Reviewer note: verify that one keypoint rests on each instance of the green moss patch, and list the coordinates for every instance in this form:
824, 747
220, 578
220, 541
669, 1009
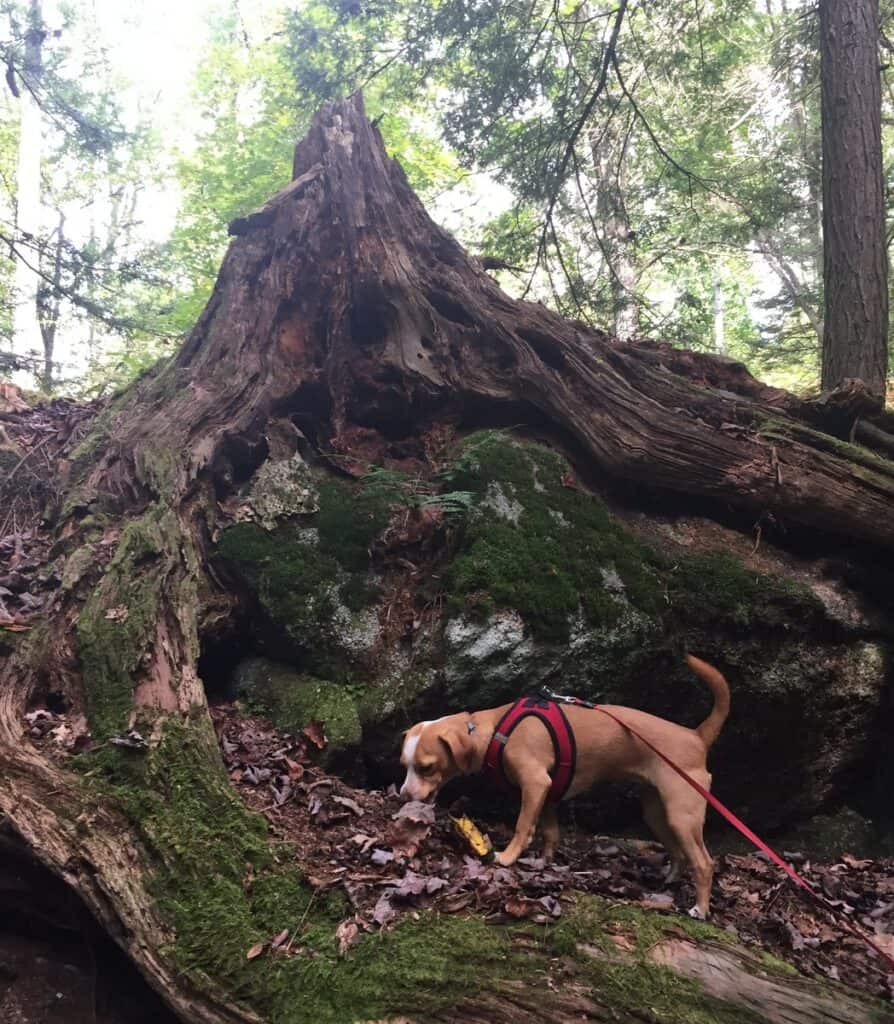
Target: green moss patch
717, 587
224, 888
537, 544
301, 573
292, 699
118, 621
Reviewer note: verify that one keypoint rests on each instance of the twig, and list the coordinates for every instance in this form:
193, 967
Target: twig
23, 460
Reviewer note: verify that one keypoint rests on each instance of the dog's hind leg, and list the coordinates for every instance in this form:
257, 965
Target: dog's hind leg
685, 811
656, 819
549, 824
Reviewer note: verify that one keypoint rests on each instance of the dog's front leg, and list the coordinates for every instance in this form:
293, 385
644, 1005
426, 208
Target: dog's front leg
549, 825
534, 792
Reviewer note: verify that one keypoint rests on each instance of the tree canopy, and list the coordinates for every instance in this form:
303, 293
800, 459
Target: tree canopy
652, 168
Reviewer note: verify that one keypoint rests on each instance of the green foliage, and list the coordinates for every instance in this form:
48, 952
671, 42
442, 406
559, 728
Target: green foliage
398, 489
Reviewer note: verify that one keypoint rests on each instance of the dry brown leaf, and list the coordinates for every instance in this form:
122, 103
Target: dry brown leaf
256, 950
314, 732
346, 934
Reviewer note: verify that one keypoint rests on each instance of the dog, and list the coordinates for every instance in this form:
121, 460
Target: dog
436, 751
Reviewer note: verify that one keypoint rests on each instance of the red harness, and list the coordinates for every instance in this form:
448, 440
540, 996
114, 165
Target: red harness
553, 717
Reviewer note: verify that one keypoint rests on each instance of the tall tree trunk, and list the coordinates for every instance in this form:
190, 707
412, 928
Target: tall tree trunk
608, 164
26, 330
719, 328
855, 341
49, 305
343, 310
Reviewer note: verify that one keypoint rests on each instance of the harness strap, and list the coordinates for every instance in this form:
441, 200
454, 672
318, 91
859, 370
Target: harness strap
553, 717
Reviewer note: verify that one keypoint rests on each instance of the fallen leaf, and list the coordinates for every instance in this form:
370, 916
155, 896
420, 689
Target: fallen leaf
404, 837
664, 900
416, 811
346, 801
384, 911
518, 906
346, 934
118, 614
314, 732
256, 950
853, 862
279, 940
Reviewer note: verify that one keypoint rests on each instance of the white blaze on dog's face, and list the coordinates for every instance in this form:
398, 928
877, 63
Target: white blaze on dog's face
432, 753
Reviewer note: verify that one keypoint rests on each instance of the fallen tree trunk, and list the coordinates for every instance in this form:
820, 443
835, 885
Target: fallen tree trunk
346, 321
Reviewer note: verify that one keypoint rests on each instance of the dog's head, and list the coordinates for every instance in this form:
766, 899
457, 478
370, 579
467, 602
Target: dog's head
434, 752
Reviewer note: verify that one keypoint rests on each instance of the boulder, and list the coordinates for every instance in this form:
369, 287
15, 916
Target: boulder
527, 578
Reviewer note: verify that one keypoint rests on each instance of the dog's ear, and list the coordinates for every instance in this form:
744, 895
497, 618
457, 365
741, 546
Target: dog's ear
461, 746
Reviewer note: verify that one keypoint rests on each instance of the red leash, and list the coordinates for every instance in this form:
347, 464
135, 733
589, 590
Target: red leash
737, 823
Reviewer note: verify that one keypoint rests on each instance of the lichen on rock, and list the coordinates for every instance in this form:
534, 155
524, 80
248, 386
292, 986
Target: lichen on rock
279, 489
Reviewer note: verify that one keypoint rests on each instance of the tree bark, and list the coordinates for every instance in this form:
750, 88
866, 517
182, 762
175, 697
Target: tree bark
341, 310
855, 338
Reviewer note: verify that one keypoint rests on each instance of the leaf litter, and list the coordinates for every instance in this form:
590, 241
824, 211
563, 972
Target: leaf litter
392, 858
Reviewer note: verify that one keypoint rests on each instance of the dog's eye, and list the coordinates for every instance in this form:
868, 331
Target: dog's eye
425, 769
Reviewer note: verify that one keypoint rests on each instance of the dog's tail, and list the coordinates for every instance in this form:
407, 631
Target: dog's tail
709, 730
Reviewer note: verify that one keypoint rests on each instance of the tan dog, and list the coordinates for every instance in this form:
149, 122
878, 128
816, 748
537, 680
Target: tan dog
434, 752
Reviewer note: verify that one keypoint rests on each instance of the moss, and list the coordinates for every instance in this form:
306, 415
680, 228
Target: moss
301, 575
717, 587
774, 965
158, 466
787, 430
292, 699
297, 584
349, 520
223, 889
76, 565
386, 694
631, 981
111, 649
118, 621
543, 548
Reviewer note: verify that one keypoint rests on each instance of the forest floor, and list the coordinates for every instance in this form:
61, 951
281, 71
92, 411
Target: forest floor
392, 859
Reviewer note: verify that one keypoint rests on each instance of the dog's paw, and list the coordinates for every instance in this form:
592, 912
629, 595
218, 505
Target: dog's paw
697, 915
503, 861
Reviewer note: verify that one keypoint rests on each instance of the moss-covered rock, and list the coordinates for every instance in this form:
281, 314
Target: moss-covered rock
535, 542
293, 700
540, 583
311, 576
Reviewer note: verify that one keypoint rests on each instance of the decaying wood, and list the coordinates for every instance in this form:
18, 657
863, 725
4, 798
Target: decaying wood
344, 310
733, 975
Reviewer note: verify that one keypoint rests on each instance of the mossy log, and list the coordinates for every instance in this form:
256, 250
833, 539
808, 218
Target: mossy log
343, 319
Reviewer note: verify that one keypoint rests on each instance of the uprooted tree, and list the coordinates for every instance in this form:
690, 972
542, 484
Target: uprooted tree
344, 323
